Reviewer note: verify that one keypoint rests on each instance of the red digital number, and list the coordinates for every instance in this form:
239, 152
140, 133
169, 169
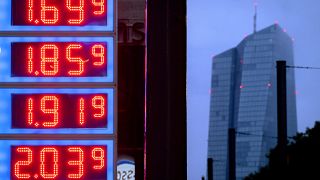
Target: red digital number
81, 111
100, 5
98, 51
49, 10
50, 14
44, 109
78, 163
23, 163
98, 155
76, 8
98, 103
30, 111
51, 56
52, 62
54, 110
30, 57
50, 104
30, 10
50, 164
44, 172
75, 59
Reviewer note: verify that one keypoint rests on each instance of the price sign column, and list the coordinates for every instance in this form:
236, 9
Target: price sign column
58, 89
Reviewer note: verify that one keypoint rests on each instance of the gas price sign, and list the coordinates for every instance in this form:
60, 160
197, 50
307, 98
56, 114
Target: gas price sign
58, 89
63, 15
59, 12
57, 111
59, 160
64, 59
70, 166
65, 110
57, 59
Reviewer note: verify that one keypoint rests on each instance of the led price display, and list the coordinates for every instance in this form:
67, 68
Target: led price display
58, 162
59, 59
59, 110
63, 15
57, 101
56, 111
56, 159
59, 12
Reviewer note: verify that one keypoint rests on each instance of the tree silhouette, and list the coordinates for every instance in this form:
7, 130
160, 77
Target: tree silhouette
303, 159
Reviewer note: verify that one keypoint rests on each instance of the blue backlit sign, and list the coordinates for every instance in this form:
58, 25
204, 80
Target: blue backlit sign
58, 88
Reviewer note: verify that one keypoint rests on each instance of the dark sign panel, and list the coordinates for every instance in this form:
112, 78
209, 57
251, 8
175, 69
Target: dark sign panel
59, 162
59, 111
59, 59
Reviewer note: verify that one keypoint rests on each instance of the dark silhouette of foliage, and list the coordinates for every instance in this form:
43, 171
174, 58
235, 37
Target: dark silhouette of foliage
303, 159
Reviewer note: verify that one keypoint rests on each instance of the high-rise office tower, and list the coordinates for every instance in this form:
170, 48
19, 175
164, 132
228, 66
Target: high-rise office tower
244, 97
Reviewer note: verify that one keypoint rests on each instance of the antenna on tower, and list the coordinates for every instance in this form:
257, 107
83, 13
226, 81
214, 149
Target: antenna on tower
255, 17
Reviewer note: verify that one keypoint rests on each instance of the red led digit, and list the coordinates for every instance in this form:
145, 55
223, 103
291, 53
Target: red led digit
98, 51
23, 163
98, 155
45, 60
76, 8
30, 58
52, 10
30, 111
75, 59
98, 103
100, 4
76, 163
44, 171
81, 108
30, 10
54, 110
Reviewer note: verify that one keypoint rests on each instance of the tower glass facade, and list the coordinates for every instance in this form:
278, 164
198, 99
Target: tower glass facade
243, 96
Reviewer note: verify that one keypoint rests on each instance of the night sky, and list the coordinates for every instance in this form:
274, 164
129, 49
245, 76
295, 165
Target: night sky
217, 25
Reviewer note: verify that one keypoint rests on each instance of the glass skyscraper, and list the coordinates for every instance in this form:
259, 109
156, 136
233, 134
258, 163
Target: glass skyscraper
243, 96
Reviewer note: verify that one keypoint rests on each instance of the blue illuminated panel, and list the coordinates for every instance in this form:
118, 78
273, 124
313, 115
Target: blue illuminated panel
6, 112
6, 59
7, 161
64, 15
77, 59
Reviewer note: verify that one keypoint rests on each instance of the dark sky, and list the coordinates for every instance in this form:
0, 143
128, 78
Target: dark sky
217, 25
